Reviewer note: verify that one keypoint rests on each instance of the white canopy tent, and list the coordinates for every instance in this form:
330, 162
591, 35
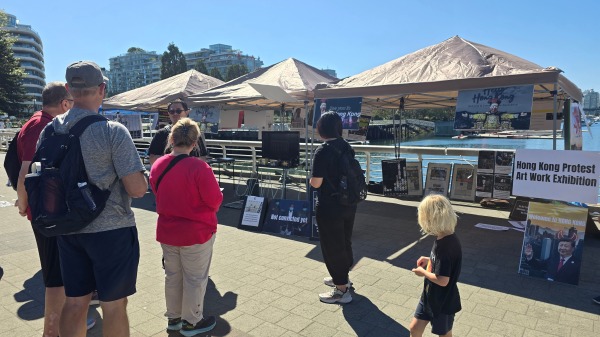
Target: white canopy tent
157, 95
431, 77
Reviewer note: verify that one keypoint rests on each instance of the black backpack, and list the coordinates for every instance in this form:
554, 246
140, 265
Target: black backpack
61, 198
12, 164
352, 187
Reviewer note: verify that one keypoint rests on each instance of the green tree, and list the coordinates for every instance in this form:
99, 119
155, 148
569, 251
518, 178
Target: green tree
172, 62
135, 49
214, 72
235, 71
201, 67
12, 91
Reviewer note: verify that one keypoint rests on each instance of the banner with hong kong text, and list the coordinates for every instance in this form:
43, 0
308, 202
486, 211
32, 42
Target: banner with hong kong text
557, 175
348, 109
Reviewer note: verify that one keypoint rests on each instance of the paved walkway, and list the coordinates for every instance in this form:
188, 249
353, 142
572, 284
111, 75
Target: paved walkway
265, 285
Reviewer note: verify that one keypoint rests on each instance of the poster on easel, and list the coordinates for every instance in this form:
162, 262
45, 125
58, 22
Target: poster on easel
463, 182
394, 177
502, 186
504, 162
414, 178
253, 213
288, 217
485, 185
553, 242
438, 179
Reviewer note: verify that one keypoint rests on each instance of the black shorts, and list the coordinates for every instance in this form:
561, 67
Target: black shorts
49, 260
441, 324
104, 261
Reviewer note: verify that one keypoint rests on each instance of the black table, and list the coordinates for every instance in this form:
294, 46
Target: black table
220, 161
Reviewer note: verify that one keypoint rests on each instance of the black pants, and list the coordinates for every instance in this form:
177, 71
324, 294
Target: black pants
335, 232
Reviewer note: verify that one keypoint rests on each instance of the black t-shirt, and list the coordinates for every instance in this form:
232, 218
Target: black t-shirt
445, 260
326, 165
159, 144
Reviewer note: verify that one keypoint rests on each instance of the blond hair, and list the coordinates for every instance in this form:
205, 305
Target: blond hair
184, 133
436, 215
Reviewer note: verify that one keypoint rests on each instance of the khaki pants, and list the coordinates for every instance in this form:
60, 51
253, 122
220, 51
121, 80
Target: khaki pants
186, 277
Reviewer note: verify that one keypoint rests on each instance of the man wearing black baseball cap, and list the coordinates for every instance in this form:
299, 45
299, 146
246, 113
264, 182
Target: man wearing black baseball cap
104, 255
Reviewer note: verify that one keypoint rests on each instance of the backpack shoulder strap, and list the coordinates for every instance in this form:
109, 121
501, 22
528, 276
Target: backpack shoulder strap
170, 166
83, 123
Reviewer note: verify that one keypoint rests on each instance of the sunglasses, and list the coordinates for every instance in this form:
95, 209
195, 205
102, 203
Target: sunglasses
176, 111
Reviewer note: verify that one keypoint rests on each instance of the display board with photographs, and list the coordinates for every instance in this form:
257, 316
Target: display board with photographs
288, 217
414, 178
494, 169
253, 213
553, 242
394, 177
438, 178
463, 182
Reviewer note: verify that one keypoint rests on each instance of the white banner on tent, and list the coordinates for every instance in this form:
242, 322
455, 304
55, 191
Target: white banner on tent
557, 175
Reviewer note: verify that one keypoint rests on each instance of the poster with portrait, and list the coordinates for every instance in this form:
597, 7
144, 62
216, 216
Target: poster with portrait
486, 161
253, 213
485, 185
349, 109
438, 178
361, 133
207, 117
414, 178
576, 140
494, 109
463, 182
504, 162
502, 186
553, 242
288, 217
394, 177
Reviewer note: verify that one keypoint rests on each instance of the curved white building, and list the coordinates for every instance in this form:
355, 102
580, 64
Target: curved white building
28, 49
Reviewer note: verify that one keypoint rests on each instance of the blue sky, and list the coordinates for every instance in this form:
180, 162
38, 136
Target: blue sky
348, 36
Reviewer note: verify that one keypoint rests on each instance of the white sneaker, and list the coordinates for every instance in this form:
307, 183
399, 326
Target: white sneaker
336, 296
329, 282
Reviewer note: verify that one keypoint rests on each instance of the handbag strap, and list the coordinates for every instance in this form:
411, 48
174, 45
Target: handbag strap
170, 166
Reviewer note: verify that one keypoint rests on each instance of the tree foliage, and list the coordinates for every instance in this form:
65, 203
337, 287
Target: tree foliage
12, 91
214, 72
201, 67
172, 63
235, 71
135, 50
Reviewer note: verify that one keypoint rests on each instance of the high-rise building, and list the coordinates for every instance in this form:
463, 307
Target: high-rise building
28, 49
222, 56
131, 70
330, 72
591, 100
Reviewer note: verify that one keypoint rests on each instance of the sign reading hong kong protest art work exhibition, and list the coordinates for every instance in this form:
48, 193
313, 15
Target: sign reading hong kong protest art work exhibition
347, 108
503, 108
557, 175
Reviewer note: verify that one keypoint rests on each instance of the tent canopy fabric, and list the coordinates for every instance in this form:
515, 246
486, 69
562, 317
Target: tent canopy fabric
296, 78
431, 77
157, 95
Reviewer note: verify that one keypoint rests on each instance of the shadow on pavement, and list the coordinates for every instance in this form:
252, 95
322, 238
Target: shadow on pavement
32, 297
217, 305
365, 318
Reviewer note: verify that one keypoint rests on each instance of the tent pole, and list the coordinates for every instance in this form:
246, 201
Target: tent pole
555, 116
306, 154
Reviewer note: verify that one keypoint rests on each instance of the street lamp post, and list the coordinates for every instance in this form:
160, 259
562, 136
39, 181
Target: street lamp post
34, 105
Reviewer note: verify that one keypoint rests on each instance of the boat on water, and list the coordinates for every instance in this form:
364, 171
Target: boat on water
520, 134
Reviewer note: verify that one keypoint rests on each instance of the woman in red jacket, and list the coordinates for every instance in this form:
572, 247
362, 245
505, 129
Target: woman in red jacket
187, 200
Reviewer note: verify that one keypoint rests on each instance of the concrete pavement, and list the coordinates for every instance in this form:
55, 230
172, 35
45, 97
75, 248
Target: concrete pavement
267, 285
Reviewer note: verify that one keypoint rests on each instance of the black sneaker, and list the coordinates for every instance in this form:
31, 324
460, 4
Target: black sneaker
205, 325
174, 324
596, 300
